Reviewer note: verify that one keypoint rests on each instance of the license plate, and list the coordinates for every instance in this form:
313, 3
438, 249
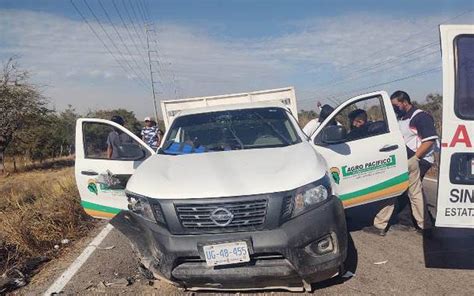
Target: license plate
227, 253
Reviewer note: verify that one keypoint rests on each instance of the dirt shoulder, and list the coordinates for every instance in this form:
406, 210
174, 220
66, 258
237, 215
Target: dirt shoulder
40, 217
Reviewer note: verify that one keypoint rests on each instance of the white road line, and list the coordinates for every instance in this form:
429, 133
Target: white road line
67, 275
431, 179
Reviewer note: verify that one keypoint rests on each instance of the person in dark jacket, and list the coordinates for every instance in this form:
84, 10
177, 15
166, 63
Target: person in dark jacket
359, 124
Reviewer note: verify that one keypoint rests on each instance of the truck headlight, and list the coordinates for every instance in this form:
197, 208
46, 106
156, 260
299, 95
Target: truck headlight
306, 198
141, 205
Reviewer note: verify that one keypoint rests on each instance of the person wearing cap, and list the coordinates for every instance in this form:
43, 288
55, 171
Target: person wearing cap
116, 138
312, 125
149, 133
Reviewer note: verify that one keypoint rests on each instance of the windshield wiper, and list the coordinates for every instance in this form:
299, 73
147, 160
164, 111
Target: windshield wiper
232, 131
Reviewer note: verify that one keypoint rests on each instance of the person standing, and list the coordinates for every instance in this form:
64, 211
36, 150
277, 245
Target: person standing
116, 139
419, 134
160, 136
313, 124
149, 133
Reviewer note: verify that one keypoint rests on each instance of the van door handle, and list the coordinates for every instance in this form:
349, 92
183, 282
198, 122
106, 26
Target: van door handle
89, 173
388, 148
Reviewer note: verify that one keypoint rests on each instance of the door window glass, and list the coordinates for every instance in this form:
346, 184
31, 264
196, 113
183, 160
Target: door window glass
464, 92
362, 119
103, 141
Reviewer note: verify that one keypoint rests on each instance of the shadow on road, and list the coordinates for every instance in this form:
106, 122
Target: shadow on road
450, 248
350, 265
362, 216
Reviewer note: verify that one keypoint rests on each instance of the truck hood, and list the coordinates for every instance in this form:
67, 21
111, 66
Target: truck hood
227, 173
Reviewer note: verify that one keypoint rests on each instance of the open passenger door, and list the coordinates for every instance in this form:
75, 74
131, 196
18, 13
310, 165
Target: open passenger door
101, 180
368, 163
456, 174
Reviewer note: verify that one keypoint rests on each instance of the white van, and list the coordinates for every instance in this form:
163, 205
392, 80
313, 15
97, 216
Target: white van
456, 175
238, 197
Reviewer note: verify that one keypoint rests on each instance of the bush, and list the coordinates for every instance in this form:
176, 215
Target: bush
37, 211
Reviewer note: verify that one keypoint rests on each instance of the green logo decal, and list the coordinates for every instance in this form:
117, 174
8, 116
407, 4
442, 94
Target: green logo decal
92, 186
335, 173
349, 171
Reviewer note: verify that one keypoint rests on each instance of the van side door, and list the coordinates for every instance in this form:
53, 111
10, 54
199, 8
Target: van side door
368, 163
101, 180
455, 207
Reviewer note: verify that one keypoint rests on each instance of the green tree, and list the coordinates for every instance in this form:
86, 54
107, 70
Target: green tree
20, 104
67, 129
131, 121
434, 106
304, 116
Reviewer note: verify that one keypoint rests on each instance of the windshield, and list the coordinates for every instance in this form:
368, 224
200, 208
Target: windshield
230, 130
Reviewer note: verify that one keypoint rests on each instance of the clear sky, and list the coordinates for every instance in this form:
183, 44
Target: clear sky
328, 50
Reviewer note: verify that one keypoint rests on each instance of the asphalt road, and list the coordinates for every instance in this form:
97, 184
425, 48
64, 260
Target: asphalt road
397, 264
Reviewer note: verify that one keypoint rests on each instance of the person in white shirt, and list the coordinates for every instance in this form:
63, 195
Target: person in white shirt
313, 124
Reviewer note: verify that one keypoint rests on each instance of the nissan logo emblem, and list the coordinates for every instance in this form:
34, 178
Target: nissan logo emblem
221, 217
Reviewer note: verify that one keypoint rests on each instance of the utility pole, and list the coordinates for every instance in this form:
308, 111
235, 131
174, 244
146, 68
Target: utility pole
151, 73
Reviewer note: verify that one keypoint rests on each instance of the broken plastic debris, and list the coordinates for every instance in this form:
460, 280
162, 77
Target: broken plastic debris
106, 248
65, 241
56, 247
348, 274
380, 262
119, 283
145, 272
101, 286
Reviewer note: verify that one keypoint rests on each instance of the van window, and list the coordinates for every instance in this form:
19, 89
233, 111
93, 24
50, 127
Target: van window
464, 92
362, 119
99, 136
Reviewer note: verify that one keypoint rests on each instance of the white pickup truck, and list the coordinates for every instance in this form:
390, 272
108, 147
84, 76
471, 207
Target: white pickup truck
238, 197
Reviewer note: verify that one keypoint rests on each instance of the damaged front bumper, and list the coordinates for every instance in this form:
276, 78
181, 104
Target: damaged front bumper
283, 257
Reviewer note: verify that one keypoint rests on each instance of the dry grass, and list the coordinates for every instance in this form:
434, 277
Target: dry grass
24, 164
37, 210
304, 119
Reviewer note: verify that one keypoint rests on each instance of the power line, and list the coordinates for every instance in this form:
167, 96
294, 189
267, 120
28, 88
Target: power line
105, 44
403, 55
392, 59
147, 46
370, 70
140, 12
128, 31
357, 77
111, 40
422, 73
121, 39
151, 79
133, 25
371, 55
137, 20
161, 65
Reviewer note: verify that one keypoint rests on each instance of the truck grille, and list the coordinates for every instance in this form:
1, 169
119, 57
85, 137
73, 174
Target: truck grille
222, 217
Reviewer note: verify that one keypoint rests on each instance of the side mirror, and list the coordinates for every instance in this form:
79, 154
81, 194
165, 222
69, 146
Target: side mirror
333, 134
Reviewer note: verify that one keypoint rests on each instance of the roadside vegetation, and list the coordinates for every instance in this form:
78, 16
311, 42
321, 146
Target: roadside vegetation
31, 133
38, 211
